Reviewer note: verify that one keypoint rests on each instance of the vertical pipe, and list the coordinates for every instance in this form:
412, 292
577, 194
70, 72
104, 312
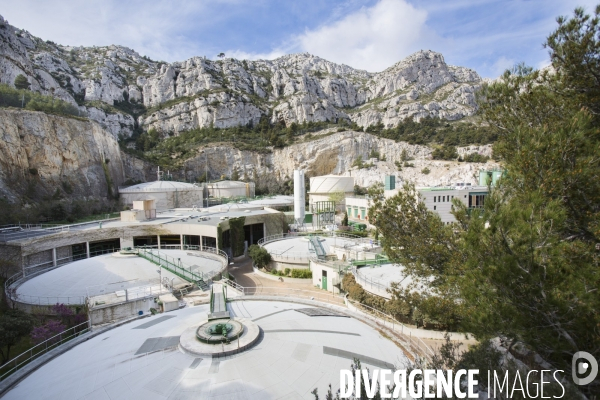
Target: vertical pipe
54, 256
181, 241
87, 249
158, 241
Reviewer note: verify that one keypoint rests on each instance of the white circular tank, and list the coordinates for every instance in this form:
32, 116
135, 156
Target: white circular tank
230, 189
331, 184
166, 194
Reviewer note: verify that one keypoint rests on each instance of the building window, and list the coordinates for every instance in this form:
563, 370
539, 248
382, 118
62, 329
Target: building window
434, 199
476, 200
452, 196
434, 207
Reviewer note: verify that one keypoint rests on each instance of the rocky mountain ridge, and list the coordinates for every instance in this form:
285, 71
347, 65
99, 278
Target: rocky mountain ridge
124, 91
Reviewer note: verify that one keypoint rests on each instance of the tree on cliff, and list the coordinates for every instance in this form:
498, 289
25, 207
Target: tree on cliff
525, 267
21, 82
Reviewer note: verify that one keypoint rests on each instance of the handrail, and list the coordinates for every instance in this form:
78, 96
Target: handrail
395, 323
44, 347
20, 278
179, 268
379, 317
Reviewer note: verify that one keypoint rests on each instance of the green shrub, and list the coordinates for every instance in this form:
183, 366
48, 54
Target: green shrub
425, 171
476, 157
302, 273
259, 256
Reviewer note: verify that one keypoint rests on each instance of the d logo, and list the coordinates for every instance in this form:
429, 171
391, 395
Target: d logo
584, 364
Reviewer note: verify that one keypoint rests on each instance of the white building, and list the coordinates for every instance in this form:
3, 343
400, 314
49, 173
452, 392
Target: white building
439, 199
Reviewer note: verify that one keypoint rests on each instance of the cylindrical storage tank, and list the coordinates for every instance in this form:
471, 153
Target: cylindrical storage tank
166, 194
299, 199
227, 189
331, 183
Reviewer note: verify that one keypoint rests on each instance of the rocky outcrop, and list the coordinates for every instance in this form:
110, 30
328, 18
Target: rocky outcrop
45, 156
335, 153
200, 92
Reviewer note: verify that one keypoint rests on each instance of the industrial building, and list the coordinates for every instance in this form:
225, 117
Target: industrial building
33, 248
437, 199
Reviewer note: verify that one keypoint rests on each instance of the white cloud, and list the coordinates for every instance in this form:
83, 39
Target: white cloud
150, 28
501, 65
243, 55
371, 38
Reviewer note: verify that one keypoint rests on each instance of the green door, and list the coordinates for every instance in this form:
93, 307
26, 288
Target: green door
324, 280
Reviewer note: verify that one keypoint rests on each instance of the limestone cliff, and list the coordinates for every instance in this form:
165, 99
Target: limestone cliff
335, 153
44, 155
120, 89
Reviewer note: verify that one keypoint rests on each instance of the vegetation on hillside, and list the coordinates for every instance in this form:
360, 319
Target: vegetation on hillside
23, 98
431, 130
169, 151
525, 267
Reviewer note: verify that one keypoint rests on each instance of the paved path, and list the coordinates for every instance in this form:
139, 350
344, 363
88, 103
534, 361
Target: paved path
244, 276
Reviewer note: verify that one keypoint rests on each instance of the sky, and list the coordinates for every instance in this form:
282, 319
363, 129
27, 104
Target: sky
488, 36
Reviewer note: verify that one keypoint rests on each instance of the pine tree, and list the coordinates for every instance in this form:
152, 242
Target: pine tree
525, 268
21, 82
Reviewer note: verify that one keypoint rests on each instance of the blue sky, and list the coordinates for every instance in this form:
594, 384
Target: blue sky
486, 35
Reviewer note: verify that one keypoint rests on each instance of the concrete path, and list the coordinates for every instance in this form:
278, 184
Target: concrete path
244, 276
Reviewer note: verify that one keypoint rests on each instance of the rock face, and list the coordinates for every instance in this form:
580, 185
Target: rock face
199, 92
122, 92
41, 154
335, 154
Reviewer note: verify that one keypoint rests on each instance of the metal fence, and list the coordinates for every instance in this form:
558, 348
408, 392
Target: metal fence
377, 316
391, 323
369, 283
27, 356
12, 283
305, 255
309, 294
132, 289
180, 269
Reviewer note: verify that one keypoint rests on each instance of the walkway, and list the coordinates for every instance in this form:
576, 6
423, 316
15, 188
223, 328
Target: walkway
218, 307
244, 276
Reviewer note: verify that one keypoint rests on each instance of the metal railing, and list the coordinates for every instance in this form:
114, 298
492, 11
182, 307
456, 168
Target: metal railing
180, 269
27, 231
371, 313
12, 283
396, 326
131, 290
320, 295
306, 255
369, 283
42, 348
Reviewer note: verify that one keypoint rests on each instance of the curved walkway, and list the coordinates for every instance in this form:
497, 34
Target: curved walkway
245, 276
